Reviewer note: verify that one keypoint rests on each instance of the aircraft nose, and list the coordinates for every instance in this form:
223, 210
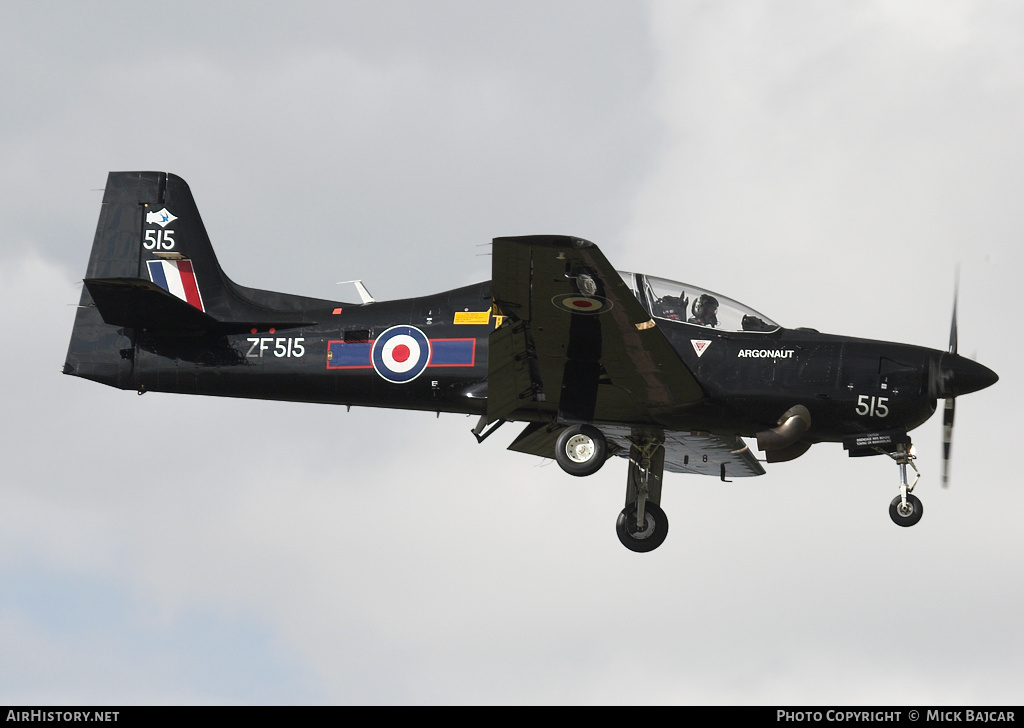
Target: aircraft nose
963, 376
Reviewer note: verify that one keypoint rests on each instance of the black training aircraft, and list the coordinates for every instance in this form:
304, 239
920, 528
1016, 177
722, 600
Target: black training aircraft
596, 362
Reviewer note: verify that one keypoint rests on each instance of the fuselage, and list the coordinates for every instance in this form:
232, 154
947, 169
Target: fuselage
749, 378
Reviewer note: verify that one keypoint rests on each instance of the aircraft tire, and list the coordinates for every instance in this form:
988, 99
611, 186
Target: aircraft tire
908, 519
581, 450
651, 537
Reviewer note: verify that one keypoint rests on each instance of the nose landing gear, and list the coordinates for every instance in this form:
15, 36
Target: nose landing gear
905, 509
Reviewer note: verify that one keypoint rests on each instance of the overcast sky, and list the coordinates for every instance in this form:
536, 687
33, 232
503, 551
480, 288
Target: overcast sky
828, 164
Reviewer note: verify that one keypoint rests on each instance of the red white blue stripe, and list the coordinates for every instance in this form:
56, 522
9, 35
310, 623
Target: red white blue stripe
443, 353
178, 278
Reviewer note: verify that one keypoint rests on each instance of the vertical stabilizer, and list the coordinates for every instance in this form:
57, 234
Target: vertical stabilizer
149, 229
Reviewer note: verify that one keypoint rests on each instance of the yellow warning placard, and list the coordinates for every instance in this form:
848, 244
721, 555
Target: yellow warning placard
472, 317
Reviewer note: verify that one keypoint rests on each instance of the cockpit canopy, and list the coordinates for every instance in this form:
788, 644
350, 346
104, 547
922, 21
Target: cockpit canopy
675, 301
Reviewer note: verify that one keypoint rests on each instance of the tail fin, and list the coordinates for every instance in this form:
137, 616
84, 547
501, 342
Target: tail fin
126, 235
152, 267
150, 228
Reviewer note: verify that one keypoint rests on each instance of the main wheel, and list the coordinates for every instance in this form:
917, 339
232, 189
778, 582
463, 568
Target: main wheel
581, 450
646, 537
906, 516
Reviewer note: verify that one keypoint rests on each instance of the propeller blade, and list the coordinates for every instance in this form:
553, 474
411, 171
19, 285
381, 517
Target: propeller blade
947, 438
952, 327
950, 408
951, 375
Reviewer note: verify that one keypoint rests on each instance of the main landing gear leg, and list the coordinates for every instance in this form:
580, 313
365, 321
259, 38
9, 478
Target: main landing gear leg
642, 525
906, 509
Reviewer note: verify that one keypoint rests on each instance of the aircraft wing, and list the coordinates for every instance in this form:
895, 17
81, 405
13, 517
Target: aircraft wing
576, 345
700, 453
726, 456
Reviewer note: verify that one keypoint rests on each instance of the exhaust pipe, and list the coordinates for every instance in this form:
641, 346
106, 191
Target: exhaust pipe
792, 425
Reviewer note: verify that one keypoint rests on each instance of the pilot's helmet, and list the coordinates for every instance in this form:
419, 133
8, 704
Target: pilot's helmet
705, 308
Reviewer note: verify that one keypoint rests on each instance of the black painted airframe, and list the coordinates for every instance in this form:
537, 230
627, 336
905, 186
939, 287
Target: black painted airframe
596, 362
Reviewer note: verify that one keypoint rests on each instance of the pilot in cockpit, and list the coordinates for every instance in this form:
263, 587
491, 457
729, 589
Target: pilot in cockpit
705, 310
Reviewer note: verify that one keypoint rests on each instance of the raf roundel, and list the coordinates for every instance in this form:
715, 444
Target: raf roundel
400, 354
577, 303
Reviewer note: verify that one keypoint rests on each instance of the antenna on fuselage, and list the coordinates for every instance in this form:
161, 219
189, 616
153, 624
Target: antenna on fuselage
364, 295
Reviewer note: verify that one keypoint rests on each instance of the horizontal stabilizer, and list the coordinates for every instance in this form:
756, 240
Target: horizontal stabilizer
136, 303
140, 304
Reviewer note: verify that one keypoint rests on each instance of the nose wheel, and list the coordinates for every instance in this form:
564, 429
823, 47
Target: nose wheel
906, 512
